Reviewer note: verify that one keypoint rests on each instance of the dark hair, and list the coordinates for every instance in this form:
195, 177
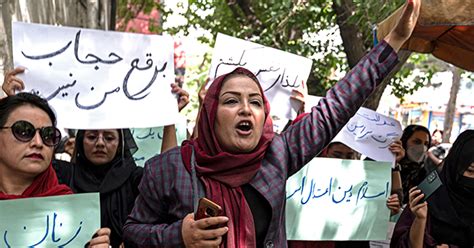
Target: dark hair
410, 130
71, 132
333, 144
10, 103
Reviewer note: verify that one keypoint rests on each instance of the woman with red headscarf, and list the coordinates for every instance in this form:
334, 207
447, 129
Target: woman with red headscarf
28, 135
239, 163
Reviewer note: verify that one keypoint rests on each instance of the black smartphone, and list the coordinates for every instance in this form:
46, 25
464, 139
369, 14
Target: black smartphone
430, 184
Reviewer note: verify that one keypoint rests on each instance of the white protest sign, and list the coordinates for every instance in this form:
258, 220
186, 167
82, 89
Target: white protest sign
367, 132
56, 221
96, 79
278, 72
371, 133
334, 199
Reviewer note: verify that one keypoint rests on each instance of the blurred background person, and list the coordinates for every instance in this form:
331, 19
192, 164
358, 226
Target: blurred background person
416, 140
437, 152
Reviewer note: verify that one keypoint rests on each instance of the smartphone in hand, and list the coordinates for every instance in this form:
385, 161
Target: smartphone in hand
207, 208
430, 184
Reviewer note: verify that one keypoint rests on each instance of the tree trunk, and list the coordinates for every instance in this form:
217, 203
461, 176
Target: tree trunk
374, 100
6, 62
113, 15
5, 39
355, 49
450, 112
74, 13
249, 17
93, 14
351, 38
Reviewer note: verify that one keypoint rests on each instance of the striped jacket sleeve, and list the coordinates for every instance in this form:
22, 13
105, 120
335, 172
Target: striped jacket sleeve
305, 139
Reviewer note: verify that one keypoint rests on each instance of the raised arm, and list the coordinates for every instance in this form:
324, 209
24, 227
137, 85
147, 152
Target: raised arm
305, 139
412, 228
394, 202
169, 132
417, 229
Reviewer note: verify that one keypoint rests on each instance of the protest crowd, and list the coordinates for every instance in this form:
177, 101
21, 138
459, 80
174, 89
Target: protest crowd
226, 184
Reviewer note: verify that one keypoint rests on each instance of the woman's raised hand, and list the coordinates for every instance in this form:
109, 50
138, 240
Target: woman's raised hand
397, 149
420, 210
183, 96
12, 83
404, 28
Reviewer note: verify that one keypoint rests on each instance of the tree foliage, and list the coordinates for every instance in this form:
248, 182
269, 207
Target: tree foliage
303, 27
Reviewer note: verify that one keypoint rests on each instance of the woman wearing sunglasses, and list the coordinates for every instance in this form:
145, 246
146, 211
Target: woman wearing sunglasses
103, 162
27, 139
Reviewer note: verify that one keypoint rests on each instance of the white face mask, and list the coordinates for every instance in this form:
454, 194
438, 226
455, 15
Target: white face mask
416, 153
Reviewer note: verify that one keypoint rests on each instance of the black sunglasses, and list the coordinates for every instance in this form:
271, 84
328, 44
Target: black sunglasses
25, 131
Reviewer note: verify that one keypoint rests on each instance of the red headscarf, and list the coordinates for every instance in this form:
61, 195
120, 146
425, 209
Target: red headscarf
45, 184
222, 172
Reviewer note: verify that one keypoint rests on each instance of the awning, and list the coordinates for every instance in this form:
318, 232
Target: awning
445, 28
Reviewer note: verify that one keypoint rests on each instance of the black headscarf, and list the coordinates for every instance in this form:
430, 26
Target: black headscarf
454, 202
116, 181
412, 173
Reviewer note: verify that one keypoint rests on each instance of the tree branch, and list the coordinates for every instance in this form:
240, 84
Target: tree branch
351, 38
249, 17
450, 111
249, 13
374, 100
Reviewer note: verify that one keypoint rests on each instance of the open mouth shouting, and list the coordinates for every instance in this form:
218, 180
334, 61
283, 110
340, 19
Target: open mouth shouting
244, 128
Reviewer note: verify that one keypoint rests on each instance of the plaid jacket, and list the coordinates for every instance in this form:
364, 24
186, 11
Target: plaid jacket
166, 194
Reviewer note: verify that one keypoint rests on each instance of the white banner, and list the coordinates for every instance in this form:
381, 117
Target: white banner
367, 132
371, 133
96, 79
54, 221
278, 72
